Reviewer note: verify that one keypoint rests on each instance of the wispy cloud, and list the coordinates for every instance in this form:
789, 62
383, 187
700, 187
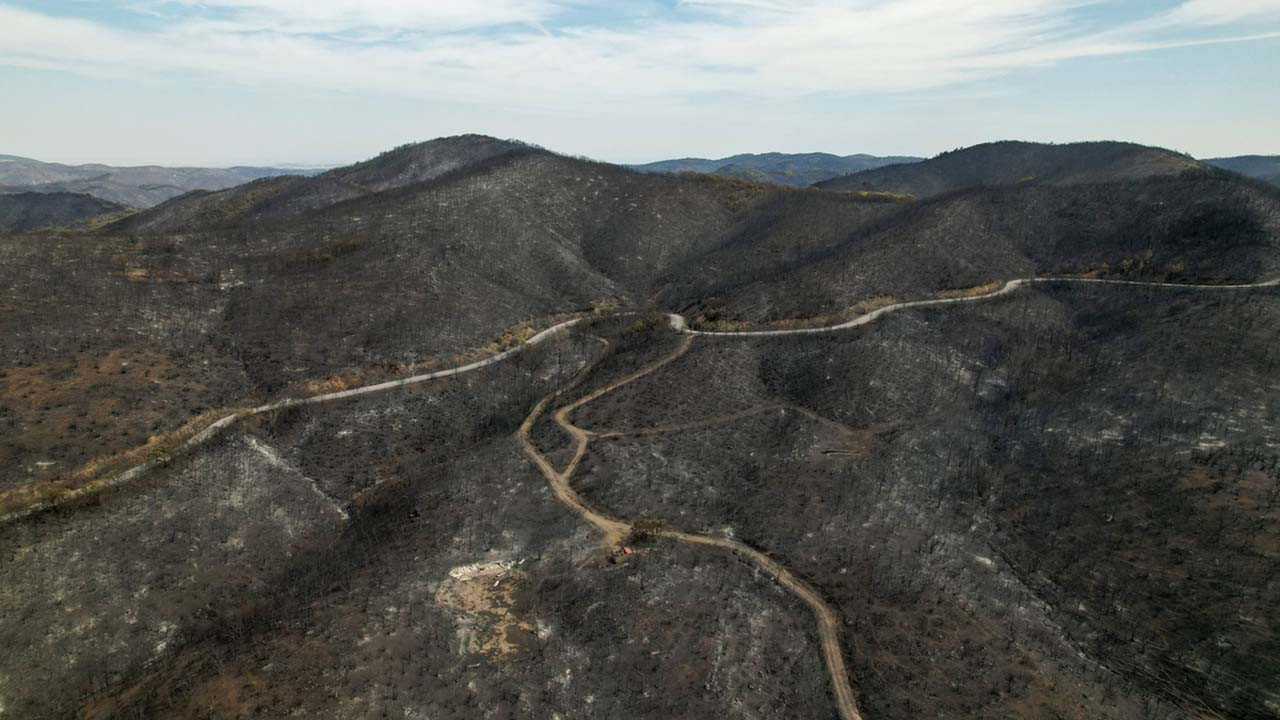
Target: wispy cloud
540, 53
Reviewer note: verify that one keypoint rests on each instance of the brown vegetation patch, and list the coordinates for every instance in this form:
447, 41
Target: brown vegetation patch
62, 413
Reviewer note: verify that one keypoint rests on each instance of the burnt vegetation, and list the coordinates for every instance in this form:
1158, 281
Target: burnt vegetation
1058, 503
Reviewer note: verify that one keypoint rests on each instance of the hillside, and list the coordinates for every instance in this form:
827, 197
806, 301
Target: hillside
1056, 501
139, 186
1002, 163
22, 212
1262, 167
800, 169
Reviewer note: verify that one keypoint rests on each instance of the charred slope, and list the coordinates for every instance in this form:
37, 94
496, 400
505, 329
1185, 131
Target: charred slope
1051, 504
21, 212
1007, 162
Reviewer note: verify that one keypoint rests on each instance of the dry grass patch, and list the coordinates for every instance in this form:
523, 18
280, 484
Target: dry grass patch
61, 414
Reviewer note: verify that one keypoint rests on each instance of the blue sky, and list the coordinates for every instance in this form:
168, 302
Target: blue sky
219, 82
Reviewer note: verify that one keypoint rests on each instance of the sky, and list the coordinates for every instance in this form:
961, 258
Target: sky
324, 82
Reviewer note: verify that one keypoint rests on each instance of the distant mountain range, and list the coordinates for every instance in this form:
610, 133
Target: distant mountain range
993, 163
141, 186
782, 168
1262, 167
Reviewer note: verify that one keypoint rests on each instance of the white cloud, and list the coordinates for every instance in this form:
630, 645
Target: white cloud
754, 50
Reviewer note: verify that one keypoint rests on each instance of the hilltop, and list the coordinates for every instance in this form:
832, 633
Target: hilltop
1006, 162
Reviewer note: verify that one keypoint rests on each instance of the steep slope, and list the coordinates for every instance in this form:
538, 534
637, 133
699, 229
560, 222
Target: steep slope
783, 168
1261, 167
140, 186
1007, 162
21, 212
